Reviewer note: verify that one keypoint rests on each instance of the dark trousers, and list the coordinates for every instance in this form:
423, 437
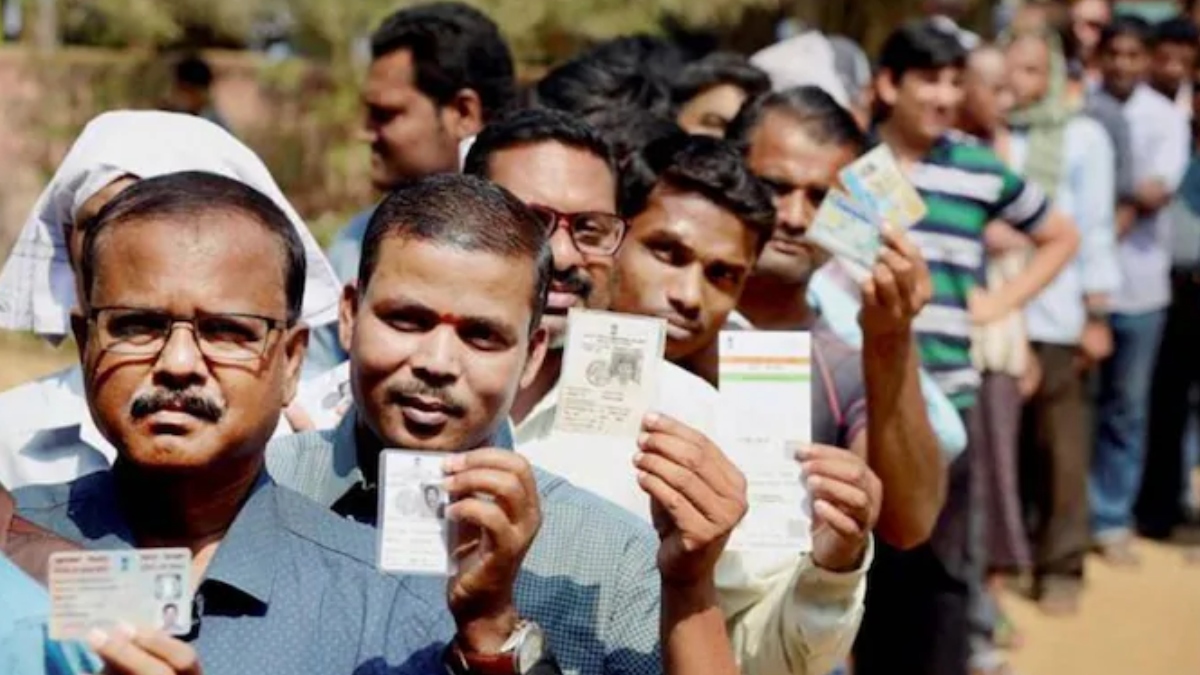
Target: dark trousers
917, 601
1160, 502
1056, 442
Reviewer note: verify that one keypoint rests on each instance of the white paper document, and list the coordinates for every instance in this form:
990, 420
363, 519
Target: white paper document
413, 533
146, 588
610, 373
764, 418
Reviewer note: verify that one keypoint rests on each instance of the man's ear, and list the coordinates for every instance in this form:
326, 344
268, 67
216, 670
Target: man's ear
465, 118
347, 315
539, 343
886, 87
81, 329
295, 348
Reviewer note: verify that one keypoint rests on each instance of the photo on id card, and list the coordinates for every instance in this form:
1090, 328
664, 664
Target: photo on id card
840, 228
146, 588
876, 181
413, 530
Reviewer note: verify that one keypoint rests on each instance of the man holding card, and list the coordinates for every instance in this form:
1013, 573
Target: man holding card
964, 187
792, 616
443, 329
279, 583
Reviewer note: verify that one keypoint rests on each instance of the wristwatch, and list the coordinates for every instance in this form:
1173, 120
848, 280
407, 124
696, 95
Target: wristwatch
519, 655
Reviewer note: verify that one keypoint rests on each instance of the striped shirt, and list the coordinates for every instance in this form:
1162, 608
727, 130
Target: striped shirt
965, 186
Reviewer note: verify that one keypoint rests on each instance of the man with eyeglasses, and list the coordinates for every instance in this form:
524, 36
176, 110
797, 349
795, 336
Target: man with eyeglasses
795, 618
188, 331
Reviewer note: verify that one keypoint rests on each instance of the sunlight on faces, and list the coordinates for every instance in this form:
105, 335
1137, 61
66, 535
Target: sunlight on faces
441, 343
233, 265
568, 180
685, 260
1028, 66
800, 172
987, 98
410, 135
709, 112
924, 103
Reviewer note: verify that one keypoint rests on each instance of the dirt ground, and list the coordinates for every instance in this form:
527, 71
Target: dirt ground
1142, 622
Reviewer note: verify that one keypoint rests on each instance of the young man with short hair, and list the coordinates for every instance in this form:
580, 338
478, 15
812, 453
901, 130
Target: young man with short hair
1174, 46
439, 72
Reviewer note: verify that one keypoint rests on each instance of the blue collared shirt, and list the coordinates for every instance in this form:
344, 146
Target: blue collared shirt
25, 645
1086, 193
590, 579
345, 251
291, 589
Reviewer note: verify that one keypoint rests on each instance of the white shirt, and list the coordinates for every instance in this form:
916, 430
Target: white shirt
786, 615
48, 437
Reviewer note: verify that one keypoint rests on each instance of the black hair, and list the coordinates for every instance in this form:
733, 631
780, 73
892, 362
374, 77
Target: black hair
464, 212
632, 72
716, 69
1178, 30
184, 196
453, 47
710, 167
921, 45
628, 130
812, 107
195, 71
1125, 26
536, 125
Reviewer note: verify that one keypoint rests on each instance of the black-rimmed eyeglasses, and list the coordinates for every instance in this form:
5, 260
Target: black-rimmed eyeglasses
592, 233
136, 331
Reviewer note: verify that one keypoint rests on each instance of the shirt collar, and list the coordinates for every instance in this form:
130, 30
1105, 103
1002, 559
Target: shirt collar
247, 557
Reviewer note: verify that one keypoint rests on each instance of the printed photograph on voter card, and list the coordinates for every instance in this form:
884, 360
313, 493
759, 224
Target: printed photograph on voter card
840, 228
876, 182
609, 373
413, 531
146, 588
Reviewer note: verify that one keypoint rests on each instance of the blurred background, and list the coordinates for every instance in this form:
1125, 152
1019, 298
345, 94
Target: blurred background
283, 75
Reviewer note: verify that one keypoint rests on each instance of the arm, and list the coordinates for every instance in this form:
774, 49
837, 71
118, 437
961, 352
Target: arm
1055, 242
1170, 153
899, 445
697, 498
1093, 178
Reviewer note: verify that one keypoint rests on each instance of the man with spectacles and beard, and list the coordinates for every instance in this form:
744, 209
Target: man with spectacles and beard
186, 375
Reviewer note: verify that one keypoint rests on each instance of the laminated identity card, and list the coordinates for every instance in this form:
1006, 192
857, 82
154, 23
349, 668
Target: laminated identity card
610, 373
413, 532
145, 588
876, 181
765, 418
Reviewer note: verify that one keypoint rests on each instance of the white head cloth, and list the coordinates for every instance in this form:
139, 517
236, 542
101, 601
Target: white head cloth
804, 60
37, 286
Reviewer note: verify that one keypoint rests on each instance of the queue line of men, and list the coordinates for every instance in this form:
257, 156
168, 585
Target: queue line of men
451, 348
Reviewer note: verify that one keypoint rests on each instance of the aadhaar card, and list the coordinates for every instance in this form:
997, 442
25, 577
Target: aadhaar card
413, 531
764, 419
875, 180
610, 373
840, 228
147, 588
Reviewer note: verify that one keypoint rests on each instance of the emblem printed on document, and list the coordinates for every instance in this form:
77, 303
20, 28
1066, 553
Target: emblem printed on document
413, 532
145, 588
765, 418
876, 181
610, 373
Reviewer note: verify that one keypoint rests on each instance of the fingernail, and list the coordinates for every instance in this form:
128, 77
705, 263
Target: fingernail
652, 418
637, 458
643, 439
452, 464
96, 639
127, 629
804, 452
814, 483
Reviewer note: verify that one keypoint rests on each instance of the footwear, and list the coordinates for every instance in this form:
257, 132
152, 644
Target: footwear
1119, 553
1059, 597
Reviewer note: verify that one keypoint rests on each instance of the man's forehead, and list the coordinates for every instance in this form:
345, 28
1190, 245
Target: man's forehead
550, 173
783, 146
706, 228
390, 78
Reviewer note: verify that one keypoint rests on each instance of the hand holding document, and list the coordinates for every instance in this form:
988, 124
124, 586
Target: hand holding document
145, 588
848, 226
765, 418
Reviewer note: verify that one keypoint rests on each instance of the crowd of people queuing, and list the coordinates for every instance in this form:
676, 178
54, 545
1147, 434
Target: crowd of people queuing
984, 401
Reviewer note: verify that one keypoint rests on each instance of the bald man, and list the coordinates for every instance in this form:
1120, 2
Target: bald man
986, 97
